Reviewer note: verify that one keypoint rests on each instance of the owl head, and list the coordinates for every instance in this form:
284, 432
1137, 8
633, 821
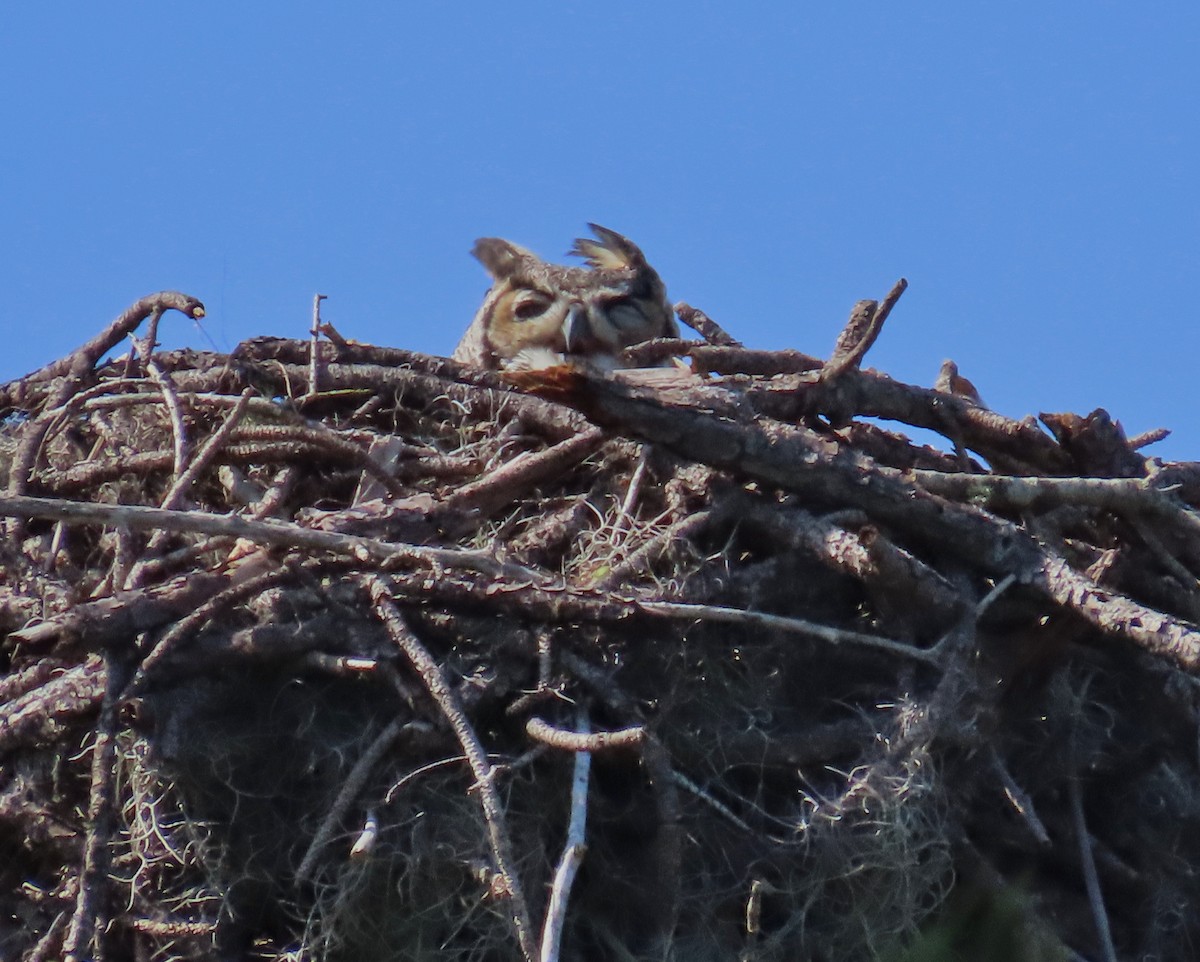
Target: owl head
539, 315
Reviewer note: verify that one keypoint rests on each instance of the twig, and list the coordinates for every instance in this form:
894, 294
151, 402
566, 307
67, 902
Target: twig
447, 701
1091, 878
91, 911
573, 852
112, 621
781, 623
351, 787
207, 452
770, 453
203, 615
145, 345
41, 713
1019, 799
1147, 438
325, 439
335, 336
314, 347
45, 945
260, 532
512, 479
866, 554
860, 333
575, 741
76, 364
364, 844
680, 532
849, 347
1130, 495
71, 372
183, 481
635, 484
668, 843
681, 780
704, 325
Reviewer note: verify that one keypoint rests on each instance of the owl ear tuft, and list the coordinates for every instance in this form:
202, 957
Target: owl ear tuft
501, 258
611, 251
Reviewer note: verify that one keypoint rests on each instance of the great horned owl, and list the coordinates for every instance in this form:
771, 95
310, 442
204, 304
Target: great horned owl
539, 315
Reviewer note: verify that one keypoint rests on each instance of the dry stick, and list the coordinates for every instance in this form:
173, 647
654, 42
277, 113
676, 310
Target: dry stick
635, 485
207, 452
124, 556
155, 569
558, 422
760, 619
870, 394
683, 530
24, 680
682, 781
84, 358
282, 443
575, 849
334, 335
867, 555
655, 351
364, 844
513, 478
704, 325
260, 532
1091, 878
1148, 437
171, 399
113, 621
1125, 495
145, 346
796, 459
264, 507
314, 347
447, 701
73, 370
1019, 799
35, 715
578, 741
427, 381
91, 911
848, 349
183, 481
60, 528
326, 439
97, 393
201, 616
170, 928
851, 347
668, 843
349, 791
1187, 581
41, 951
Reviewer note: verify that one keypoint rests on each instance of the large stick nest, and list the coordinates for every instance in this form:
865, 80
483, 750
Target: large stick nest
300, 650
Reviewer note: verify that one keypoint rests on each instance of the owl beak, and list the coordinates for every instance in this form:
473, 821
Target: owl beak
576, 330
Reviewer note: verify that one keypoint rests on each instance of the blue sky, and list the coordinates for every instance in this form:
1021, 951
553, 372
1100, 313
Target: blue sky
1030, 168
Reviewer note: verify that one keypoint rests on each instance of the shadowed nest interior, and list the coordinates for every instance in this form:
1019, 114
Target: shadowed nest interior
305, 646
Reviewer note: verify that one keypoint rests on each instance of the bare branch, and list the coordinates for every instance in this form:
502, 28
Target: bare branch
447, 701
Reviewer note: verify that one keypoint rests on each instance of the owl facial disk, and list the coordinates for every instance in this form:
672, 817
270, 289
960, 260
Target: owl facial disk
537, 311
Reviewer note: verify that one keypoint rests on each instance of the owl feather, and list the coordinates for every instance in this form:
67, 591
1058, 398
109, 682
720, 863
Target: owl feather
538, 314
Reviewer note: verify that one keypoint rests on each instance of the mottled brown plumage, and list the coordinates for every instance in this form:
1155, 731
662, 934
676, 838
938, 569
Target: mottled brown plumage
539, 315
949, 381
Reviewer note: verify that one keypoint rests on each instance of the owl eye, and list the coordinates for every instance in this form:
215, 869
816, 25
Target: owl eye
530, 306
626, 315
